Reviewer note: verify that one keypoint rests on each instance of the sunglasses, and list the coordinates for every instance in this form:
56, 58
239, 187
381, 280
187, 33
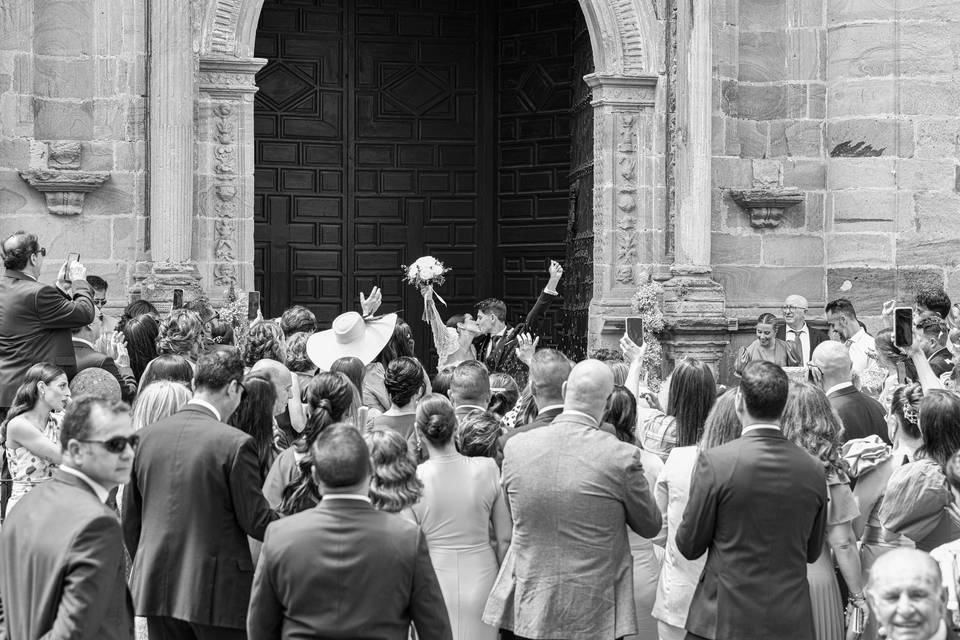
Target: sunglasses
118, 444
99, 301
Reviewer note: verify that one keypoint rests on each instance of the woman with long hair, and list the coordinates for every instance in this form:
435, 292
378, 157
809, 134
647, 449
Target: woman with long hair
404, 383
31, 432
181, 333
691, 393
167, 367
679, 577
140, 334
136, 309
254, 416
462, 508
917, 501
394, 485
157, 401
289, 486
810, 422
621, 412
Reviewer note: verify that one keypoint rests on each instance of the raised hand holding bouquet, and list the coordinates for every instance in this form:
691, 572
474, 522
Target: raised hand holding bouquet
424, 272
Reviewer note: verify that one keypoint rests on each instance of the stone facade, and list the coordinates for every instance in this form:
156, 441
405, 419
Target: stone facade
768, 146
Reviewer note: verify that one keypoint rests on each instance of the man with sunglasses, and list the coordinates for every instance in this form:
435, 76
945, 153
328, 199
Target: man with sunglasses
193, 499
61, 547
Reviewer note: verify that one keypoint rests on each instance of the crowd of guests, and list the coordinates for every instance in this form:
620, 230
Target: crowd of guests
164, 481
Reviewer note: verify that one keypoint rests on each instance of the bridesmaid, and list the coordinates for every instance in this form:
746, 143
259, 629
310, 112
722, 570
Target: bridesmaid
768, 347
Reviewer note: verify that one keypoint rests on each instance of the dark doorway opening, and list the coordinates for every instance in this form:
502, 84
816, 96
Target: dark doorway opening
390, 129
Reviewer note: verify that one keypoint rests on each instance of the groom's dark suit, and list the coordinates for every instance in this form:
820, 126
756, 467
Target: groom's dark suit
759, 505
502, 357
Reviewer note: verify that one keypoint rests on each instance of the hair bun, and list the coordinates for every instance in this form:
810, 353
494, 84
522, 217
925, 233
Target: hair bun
439, 427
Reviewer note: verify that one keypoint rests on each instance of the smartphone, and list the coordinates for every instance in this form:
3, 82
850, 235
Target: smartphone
73, 257
253, 305
178, 298
903, 327
635, 330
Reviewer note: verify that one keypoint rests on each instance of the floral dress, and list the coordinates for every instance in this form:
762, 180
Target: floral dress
26, 468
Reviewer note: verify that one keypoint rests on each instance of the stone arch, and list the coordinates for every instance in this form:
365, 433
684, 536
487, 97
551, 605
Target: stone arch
623, 32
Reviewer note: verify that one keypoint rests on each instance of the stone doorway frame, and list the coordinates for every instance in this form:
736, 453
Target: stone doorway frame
202, 221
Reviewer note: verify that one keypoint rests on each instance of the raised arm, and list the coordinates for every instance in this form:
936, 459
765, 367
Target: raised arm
547, 296
443, 339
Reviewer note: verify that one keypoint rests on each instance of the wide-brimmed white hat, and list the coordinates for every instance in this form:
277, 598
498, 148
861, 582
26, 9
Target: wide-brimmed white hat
351, 335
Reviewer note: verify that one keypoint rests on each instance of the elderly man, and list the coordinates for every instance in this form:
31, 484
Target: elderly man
796, 328
573, 491
907, 595
842, 318
61, 548
289, 418
860, 414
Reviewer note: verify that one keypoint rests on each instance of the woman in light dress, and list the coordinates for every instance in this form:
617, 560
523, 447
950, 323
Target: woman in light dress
31, 433
464, 516
453, 339
768, 347
679, 577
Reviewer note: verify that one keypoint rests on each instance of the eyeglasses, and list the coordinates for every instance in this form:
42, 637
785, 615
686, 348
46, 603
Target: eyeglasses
789, 308
118, 444
243, 390
99, 301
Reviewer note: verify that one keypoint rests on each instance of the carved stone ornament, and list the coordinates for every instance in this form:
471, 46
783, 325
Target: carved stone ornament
62, 184
766, 206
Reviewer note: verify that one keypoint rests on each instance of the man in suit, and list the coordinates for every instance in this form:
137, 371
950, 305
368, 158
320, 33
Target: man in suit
344, 569
860, 414
89, 358
497, 344
759, 505
796, 328
61, 548
35, 318
549, 370
934, 332
573, 491
469, 388
908, 596
193, 498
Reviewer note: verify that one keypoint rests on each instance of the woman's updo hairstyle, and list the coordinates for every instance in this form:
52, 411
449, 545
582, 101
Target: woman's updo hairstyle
905, 407
403, 380
436, 419
180, 334
504, 393
767, 318
265, 341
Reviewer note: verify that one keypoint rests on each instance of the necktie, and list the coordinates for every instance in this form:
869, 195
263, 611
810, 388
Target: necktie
796, 335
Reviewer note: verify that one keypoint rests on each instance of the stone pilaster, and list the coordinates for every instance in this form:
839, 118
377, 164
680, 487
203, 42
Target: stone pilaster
693, 301
225, 152
628, 225
171, 94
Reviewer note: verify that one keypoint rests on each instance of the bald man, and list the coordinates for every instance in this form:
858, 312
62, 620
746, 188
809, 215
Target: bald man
908, 597
573, 490
288, 415
861, 415
796, 328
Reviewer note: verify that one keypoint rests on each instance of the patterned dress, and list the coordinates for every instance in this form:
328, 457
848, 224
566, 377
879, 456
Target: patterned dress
26, 468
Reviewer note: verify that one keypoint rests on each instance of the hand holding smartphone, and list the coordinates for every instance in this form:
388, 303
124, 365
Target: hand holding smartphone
903, 327
253, 305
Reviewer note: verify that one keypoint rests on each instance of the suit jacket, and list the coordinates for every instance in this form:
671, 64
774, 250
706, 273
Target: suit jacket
816, 336
860, 414
62, 557
502, 357
193, 498
345, 570
759, 505
941, 361
543, 419
573, 490
35, 324
88, 358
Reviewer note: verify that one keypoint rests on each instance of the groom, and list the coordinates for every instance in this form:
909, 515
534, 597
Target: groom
498, 341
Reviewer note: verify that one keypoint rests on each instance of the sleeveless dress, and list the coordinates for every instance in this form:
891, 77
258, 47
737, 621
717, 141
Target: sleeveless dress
459, 495
26, 468
828, 610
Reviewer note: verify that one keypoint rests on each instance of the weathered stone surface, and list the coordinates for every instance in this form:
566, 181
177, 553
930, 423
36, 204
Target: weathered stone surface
930, 97
750, 138
801, 138
862, 210
59, 120
847, 98
96, 156
762, 15
63, 77
929, 235
860, 249
735, 249
815, 210
839, 11
763, 56
805, 13
816, 101
14, 154
792, 250
869, 137
16, 197
869, 289
128, 235
803, 55
926, 175
804, 174
859, 173
754, 102
938, 138
731, 173
766, 286
121, 195
63, 27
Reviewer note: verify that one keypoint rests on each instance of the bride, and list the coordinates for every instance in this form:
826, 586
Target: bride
453, 339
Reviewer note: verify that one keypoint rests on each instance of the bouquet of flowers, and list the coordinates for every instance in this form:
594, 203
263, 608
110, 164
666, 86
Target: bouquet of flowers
424, 272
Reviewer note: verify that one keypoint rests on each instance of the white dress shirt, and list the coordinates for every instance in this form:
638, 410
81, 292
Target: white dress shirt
860, 345
347, 496
838, 387
759, 425
206, 405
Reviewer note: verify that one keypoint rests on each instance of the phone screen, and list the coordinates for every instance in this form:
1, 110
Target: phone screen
903, 327
635, 330
177, 298
73, 257
253, 305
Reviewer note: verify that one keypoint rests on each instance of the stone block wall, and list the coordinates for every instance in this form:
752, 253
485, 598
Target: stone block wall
74, 70
856, 103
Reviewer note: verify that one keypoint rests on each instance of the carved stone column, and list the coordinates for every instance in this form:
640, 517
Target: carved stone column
628, 227
171, 100
225, 149
693, 302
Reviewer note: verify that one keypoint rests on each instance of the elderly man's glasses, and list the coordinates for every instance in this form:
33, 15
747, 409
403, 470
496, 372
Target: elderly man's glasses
118, 444
789, 308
